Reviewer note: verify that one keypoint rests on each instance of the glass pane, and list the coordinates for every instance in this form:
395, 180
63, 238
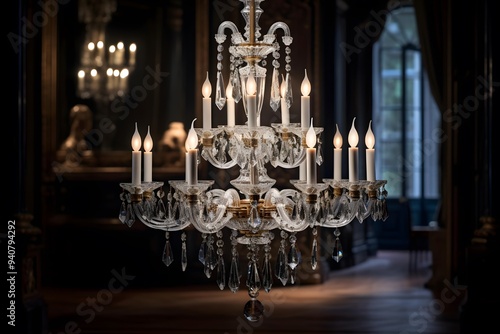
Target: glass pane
391, 91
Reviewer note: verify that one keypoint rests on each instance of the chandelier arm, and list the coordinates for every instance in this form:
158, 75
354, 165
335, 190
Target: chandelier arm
288, 224
337, 222
165, 225
296, 163
279, 25
205, 225
208, 156
227, 25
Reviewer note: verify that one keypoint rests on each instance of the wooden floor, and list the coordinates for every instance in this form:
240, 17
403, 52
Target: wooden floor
377, 296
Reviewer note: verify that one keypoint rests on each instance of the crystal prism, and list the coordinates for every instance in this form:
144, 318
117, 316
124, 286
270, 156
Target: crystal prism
220, 91
167, 254
234, 275
337, 252
221, 273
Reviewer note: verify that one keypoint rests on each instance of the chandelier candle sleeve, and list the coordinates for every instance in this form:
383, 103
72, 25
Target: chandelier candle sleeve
285, 113
192, 156
353, 153
370, 153
136, 157
311, 155
230, 105
148, 158
337, 155
251, 87
206, 90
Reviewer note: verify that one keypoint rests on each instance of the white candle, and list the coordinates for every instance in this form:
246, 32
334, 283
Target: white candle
112, 55
285, 113
148, 158
337, 155
206, 90
136, 157
251, 88
120, 51
230, 105
370, 154
192, 156
110, 79
305, 101
132, 49
123, 80
81, 81
100, 53
311, 155
353, 153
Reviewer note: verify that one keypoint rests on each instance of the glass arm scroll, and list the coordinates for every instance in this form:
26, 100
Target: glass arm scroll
289, 214
214, 144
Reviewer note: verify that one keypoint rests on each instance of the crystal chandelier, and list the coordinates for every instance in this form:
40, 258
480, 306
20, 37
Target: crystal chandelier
254, 209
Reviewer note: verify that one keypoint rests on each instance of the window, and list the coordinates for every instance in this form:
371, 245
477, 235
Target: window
405, 116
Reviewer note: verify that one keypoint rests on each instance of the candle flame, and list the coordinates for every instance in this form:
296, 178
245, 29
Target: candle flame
148, 142
251, 85
305, 88
337, 139
192, 138
353, 135
136, 140
229, 90
370, 137
283, 87
311, 136
206, 89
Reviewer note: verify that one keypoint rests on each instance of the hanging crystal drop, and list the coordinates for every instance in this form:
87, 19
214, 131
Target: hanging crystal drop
130, 215
314, 250
253, 278
221, 273
167, 251
236, 86
220, 91
254, 219
183, 252
123, 213
203, 249
282, 265
288, 95
275, 98
319, 152
267, 276
337, 252
234, 273
293, 254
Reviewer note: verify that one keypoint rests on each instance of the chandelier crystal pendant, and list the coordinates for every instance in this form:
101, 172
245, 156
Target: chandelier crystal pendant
254, 210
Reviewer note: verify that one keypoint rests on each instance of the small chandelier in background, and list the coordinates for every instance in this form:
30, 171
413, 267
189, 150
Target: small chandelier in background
104, 69
254, 209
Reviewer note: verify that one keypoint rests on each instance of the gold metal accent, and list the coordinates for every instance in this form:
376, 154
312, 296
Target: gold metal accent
251, 142
372, 193
355, 194
192, 198
134, 198
311, 198
337, 191
207, 141
147, 194
285, 135
254, 198
243, 210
